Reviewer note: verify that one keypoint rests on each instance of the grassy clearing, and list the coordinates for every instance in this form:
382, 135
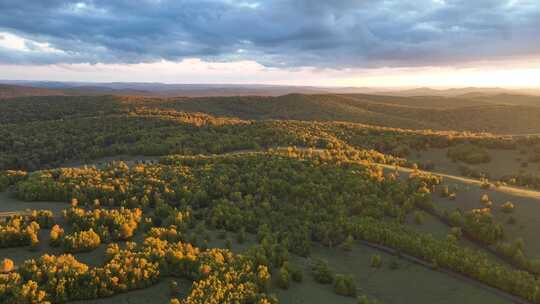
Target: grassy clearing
409, 283
430, 225
386, 284
9, 204
526, 212
503, 162
157, 294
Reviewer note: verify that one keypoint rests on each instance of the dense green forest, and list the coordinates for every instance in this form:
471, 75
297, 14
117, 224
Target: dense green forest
53, 130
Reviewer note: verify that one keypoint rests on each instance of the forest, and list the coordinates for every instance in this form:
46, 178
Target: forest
221, 208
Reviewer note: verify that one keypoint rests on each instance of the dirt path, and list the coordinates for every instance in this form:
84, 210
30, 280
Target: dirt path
507, 189
10, 213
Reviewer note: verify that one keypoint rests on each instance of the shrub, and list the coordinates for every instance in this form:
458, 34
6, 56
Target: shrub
419, 217
283, 278
508, 207
348, 243
7, 265
263, 277
344, 285
376, 261
485, 200
296, 275
469, 153
173, 288
321, 272
56, 236
363, 299
456, 232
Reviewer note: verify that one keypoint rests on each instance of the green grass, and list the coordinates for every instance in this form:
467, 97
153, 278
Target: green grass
410, 283
526, 212
503, 162
157, 294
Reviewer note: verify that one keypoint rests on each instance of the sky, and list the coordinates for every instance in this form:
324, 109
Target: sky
386, 43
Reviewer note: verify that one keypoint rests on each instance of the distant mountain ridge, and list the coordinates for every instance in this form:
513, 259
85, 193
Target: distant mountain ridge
9, 91
201, 90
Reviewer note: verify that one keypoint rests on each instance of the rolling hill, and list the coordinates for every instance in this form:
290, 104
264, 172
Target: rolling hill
438, 113
500, 113
10, 91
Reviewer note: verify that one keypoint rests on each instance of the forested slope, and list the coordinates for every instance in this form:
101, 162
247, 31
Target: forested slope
438, 113
497, 115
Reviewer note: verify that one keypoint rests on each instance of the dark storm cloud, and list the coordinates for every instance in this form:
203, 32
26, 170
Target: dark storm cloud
339, 33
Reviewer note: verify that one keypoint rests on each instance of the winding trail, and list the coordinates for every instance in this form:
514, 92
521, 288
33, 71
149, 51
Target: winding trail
507, 189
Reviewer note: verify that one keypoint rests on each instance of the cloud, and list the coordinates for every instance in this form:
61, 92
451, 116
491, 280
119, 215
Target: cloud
275, 33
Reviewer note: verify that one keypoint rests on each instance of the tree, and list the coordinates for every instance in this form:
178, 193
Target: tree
56, 235
283, 278
321, 272
344, 285
485, 200
263, 277
508, 207
7, 265
376, 261
363, 299
173, 288
241, 236
348, 243
296, 275
419, 217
